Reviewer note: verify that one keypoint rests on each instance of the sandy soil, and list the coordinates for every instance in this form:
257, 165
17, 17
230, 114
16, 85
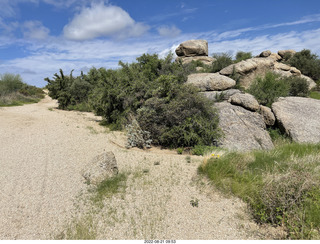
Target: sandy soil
42, 153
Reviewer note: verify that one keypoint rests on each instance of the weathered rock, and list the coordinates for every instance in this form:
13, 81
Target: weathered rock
211, 81
192, 48
300, 118
204, 59
265, 54
249, 69
282, 53
220, 95
243, 130
100, 168
244, 100
267, 114
282, 66
310, 81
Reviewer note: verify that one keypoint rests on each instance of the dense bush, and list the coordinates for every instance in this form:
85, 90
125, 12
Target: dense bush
266, 89
72, 92
178, 116
13, 91
152, 91
222, 60
242, 56
307, 62
10, 83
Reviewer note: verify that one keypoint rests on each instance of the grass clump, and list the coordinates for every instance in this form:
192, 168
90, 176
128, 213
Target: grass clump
315, 95
109, 187
281, 186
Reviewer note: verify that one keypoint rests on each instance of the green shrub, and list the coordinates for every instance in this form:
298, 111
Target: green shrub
222, 60
307, 62
178, 116
298, 86
242, 56
14, 92
268, 88
10, 83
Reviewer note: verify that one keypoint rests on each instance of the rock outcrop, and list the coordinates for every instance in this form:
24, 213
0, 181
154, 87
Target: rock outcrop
242, 119
258, 66
243, 130
211, 81
299, 117
194, 50
100, 168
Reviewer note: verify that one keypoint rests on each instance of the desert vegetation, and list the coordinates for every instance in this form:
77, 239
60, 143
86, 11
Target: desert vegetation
14, 92
281, 186
151, 92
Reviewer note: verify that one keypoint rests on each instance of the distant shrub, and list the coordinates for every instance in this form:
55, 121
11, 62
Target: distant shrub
14, 92
266, 89
242, 56
10, 83
298, 86
71, 92
307, 62
222, 60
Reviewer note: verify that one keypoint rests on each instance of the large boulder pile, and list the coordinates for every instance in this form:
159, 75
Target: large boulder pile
242, 119
258, 66
194, 50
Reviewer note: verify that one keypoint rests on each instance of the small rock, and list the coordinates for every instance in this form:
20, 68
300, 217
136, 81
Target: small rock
267, 114
100, 168
245, 100
220, 95
265, 54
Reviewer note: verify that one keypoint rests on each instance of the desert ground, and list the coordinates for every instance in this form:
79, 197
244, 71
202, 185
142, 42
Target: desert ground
43, 195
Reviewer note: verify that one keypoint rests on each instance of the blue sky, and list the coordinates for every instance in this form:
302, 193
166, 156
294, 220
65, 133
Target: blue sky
38, 37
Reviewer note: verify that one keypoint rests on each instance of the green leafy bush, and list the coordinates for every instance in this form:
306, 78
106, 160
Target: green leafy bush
298, 86
14, 92
177, 116
272, 86
152, 90
266, 89
71, 92
242, 56
10, 83
222, 60
307, 62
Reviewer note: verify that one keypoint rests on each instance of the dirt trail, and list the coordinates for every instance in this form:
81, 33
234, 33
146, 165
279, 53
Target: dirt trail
42, 153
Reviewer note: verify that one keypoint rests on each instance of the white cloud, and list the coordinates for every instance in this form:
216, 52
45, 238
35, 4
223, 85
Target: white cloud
100, 20
169, 31
34, 30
